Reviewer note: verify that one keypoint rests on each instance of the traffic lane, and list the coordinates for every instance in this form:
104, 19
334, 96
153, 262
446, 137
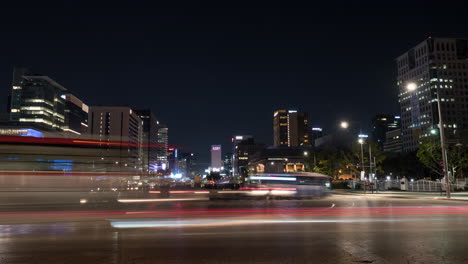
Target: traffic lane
335, 239
184, 208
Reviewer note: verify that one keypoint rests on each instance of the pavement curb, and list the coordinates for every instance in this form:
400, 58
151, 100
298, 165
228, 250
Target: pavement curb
403, 197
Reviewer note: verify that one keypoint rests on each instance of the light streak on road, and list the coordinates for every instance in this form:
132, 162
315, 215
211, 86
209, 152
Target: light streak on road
134, 223
160, 200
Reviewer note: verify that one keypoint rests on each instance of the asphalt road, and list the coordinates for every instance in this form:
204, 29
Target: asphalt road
338, 229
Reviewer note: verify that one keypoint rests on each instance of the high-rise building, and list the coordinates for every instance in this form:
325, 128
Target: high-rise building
315, 133
163, 146
76, 115
227, 164
216, 163
123, 128
393, 141
290, 128
150, 146
187, 163
434, 65
381, 124
244, 147
37, 101
173, 160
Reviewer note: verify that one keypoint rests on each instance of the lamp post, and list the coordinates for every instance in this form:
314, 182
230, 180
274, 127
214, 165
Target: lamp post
411, 87
361, 142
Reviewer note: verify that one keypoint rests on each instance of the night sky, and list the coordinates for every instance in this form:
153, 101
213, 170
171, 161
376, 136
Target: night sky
213, 71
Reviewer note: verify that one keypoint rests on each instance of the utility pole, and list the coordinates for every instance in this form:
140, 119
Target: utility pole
443, 147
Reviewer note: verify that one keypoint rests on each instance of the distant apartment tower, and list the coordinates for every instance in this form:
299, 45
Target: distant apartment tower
123, 128
163, 145
436, 64
290, 128
150, 145
383, 123
37, 101
216, 161
76, 115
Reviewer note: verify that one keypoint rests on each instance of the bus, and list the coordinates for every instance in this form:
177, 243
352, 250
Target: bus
298, 185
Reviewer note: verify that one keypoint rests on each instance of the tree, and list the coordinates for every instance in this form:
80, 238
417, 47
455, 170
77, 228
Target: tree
430, 154
332, 160
375, 152
405, 164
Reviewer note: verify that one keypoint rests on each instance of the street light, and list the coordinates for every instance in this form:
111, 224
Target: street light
344, 124
306, 153
361, 142
412, 87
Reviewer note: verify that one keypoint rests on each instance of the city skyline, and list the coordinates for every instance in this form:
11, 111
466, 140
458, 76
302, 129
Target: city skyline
338, 70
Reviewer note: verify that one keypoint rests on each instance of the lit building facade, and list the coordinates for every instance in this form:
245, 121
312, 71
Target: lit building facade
118, 126
315, 133
76, 115
163, 146
393, 141
381, 124
227, 164
37, 101
290, 128
150, 146
436, 64
216, 161
244, 147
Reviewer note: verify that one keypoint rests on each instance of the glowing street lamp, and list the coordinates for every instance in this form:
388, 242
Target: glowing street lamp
344, 125
361, 142
411, 87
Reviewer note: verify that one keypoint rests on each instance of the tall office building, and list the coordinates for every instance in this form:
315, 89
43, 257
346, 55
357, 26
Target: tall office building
290, 128
227, 164
76, 115
216, 163
121, 128
315, 133
150, 146
163, 145
436, 64
37, 101
393, 141
381, 124
244, 147
173, 160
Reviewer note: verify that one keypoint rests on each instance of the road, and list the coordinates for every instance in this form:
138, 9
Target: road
337, 229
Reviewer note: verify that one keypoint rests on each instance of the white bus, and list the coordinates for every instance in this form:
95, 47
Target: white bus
300, 185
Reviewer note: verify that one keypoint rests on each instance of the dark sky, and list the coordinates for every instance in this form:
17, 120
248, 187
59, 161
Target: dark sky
214, 70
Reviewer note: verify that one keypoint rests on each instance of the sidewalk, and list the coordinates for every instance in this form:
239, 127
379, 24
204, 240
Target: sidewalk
455, 196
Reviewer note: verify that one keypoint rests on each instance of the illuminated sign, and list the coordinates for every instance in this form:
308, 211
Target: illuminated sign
397, 117
363, 136
216, 148
316, 129
292, 111
239, 137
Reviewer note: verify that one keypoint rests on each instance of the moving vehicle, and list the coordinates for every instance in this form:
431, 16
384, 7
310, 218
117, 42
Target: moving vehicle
299, 185
284, 185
